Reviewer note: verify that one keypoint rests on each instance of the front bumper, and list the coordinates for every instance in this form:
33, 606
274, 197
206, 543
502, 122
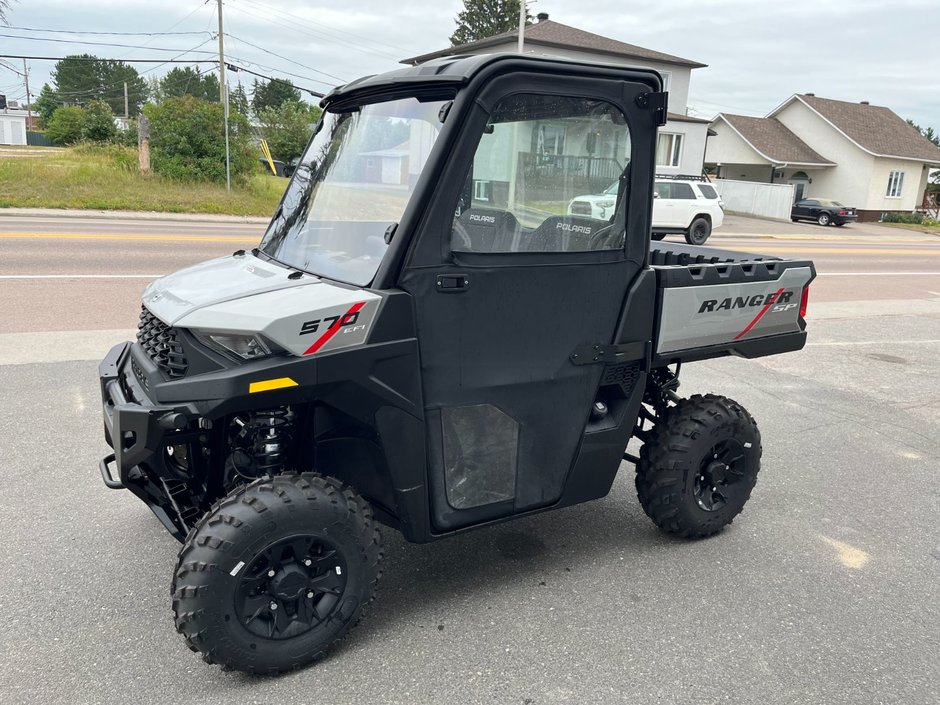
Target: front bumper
139, 431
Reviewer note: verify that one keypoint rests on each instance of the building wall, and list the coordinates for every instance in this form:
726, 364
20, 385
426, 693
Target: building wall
692, 157
850, 181
727, 147
12, 129
678, 75
912, 191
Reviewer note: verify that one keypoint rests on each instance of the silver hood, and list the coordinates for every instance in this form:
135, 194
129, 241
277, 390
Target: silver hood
176, 295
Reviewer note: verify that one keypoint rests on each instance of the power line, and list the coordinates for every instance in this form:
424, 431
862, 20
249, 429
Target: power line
122, 34
315, 33
320, 28
276, 70
102, 44
292, 61
126, 61
236, 69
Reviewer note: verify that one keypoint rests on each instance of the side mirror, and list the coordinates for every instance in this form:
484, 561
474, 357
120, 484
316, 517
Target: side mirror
655, 194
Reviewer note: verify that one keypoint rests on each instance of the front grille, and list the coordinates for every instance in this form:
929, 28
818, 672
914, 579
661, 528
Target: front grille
160, 343
581, 208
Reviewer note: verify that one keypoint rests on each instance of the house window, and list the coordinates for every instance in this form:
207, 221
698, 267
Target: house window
667, 79
548, 139
669, 149
895, 184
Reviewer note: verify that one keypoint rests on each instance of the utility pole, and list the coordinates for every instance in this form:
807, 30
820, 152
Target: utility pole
521, 24
126, 111
223, 96
29, 103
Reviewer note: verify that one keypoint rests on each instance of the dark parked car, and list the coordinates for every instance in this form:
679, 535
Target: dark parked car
823, 210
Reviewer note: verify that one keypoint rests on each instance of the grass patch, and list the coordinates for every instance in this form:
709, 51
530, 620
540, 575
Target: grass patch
105, 177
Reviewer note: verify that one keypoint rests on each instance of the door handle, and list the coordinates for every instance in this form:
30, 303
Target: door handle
452, 283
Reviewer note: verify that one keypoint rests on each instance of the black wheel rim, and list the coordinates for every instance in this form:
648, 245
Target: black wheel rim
720, 477
700, 233
291, 587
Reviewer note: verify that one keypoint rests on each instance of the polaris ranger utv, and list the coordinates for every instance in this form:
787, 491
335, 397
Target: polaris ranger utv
424, 339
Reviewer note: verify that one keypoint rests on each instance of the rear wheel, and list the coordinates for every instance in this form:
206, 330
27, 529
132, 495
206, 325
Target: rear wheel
823, 219
698, 231
658, 236
276, 573
839, 225
698, 468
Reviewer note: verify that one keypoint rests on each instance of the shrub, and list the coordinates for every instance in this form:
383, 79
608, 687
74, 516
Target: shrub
187, 140
909, 218
128, 137
99, 122
287, 128
66, 125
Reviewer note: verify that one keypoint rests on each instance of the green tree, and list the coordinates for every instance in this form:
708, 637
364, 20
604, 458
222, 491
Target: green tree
66, 125
238, 100
187, 80
45, 104
480, 19
272, 94
927, 132
187, 140
82, 78
99, 122
288, 127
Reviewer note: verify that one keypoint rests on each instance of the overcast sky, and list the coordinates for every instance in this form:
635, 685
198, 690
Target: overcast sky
758, 52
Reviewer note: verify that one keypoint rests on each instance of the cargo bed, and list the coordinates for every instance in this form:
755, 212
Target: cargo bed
712, 302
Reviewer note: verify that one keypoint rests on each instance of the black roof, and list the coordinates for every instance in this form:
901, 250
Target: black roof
455, 71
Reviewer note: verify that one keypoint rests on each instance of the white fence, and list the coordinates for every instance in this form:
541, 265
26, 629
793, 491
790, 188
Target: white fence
753, 198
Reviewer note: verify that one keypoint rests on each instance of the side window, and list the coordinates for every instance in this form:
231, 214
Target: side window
708, 191
546, 177
683, 191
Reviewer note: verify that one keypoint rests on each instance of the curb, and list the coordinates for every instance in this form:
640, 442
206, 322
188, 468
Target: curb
132, 215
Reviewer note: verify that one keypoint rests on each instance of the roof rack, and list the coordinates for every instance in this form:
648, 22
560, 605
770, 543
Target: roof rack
684, 177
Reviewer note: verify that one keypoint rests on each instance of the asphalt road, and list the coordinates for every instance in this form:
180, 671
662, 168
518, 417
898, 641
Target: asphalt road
825, 590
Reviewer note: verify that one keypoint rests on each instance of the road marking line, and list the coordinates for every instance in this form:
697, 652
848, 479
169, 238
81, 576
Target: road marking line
847, 251
80, 276
116, 236
849, 556
879, 274
876, 342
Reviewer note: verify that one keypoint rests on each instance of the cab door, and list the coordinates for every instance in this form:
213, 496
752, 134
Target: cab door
509, 290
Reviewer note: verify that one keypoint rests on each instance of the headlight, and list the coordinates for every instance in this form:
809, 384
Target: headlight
605, 204
243, 346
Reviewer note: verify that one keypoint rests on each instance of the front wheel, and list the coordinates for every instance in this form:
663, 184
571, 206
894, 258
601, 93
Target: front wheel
699, 466
276, 573
698, 231
823, 219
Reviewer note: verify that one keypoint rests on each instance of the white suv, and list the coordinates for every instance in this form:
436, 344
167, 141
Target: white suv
681, 206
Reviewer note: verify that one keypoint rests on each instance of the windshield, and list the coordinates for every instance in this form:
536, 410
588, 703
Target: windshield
827, 202
351, 186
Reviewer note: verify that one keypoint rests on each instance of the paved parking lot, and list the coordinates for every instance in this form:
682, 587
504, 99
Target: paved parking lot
825, 590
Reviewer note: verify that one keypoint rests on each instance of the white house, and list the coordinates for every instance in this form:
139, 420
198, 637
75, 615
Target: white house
681, 141
859, 154
13, 127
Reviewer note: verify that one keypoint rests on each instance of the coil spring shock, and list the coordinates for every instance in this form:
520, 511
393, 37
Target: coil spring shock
271, 431
259, 443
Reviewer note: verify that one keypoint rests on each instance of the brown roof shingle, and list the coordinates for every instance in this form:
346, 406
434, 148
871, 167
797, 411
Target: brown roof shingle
555, 34
876, 128
774, 140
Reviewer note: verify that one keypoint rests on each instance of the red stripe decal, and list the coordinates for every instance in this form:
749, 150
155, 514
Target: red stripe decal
332, 330
759, 315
